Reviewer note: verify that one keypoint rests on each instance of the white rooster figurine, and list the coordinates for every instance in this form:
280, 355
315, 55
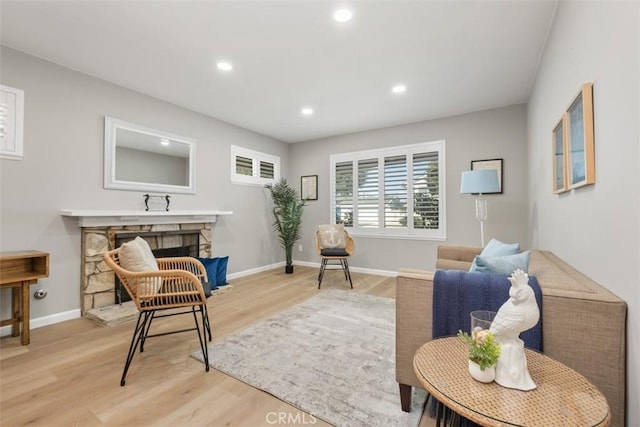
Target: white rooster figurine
517, 315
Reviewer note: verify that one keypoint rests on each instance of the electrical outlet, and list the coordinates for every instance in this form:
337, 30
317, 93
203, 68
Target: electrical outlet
300, 247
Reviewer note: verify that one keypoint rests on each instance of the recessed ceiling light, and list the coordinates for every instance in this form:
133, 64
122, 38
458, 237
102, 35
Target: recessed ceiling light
224, 66
399, 89
164, 141
342, 15
307, 111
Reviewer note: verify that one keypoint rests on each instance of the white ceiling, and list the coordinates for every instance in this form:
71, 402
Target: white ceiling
453, 56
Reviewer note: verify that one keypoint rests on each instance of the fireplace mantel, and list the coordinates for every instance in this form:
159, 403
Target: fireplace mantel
97, 218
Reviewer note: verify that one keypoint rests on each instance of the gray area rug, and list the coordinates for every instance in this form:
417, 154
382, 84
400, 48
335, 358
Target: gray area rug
332, 355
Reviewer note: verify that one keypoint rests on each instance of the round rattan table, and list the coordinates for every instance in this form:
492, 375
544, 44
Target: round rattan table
562, 397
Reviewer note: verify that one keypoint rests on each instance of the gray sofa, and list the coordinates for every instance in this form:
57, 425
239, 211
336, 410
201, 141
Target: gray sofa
584, 325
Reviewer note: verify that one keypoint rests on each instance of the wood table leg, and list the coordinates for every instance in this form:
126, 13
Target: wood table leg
25, 337
15, 310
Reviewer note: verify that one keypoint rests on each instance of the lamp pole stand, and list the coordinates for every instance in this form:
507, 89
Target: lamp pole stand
481, 215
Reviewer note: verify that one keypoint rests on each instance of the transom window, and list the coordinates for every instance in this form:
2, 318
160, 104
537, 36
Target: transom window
253, 167
395, 192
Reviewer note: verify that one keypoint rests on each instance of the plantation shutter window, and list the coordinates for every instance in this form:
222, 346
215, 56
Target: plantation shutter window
395, 192
251, 167
343, 195
426, 191
368, 191
267, 170
244, 166
392, 192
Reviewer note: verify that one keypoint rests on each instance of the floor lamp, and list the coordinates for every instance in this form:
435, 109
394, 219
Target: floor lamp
479, 182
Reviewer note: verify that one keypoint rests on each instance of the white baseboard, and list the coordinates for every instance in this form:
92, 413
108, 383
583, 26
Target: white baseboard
254, 270
39, 322
74, 314
375, 272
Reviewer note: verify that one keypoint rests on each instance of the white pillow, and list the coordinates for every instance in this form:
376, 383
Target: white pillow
136, 256
332, 236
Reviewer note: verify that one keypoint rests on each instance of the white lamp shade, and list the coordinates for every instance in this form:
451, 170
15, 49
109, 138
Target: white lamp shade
480, 181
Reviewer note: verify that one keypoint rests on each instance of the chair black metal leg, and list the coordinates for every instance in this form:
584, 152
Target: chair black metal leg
206, 318
344, 268
347, 272
137, 336
205, 324
323, 267
149, 316
202, 338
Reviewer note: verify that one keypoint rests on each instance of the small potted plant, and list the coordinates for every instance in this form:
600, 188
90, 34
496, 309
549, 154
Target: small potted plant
483, 354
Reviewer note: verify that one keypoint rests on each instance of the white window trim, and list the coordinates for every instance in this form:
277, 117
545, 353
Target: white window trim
256, 157
381, 232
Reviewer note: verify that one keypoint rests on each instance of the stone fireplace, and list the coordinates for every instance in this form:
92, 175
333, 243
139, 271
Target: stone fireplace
165, 243
98, 280
103, 230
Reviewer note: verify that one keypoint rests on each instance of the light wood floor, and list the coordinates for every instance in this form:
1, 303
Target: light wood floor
70, 373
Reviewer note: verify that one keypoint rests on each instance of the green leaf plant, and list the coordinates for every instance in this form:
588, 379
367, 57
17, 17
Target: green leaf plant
287, 211
483, 349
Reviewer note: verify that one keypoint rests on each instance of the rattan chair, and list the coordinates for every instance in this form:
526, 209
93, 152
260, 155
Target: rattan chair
336, 256
177, 285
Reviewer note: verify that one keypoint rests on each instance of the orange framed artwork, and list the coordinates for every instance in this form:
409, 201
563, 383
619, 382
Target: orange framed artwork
573, 144
560, 181
580, 139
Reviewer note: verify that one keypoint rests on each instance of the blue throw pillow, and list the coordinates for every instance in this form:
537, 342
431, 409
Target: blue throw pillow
211, 265
496, 248
216, 270
221, 274
502, 264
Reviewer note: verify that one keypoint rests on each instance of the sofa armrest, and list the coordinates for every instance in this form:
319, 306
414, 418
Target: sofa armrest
414, 298
451, 257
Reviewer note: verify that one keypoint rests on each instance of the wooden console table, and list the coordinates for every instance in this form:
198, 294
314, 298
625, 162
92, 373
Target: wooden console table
562, 397
18, 270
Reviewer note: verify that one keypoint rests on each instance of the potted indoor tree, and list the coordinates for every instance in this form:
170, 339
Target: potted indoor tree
287, 210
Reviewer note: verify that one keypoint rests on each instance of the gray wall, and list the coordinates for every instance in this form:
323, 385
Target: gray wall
63, 164
594, 228
499, 133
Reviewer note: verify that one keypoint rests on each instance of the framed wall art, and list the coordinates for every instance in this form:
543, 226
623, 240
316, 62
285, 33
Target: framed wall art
560, 181
11, 122
580, 139
489, 164
309, 187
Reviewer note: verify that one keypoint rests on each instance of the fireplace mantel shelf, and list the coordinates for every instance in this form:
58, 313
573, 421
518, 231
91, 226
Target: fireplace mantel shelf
97, 218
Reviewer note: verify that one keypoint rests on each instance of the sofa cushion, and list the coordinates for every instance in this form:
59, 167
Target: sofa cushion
334, 252
501, 264
497, 248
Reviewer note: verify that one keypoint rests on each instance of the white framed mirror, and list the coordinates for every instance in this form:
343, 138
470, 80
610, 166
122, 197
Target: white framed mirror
139, 158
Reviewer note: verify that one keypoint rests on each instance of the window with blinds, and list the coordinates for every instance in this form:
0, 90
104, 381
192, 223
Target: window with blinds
343, 193
267, 170
368, 193
397, 191
244, 166
253, 167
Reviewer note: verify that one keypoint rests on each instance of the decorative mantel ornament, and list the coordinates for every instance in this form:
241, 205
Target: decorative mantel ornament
156, 203
517, 315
